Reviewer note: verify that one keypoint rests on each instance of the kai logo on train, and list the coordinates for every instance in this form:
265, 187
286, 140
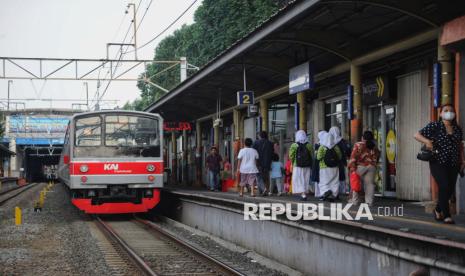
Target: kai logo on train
110, 167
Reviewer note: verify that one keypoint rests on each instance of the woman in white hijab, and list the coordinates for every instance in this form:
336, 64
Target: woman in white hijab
345, 150
329, 156
300, 174
316, 169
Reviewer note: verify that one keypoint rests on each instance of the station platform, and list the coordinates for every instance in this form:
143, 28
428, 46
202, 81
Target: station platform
413, 223
8, 183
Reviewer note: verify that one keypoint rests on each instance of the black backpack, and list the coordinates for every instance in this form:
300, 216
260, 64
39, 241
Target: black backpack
331, 159
302, 157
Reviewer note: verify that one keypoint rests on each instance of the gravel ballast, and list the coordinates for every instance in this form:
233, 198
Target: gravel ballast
55, 241
239, 258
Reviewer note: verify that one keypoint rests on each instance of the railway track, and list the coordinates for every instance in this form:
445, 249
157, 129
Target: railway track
152, 251
12, 193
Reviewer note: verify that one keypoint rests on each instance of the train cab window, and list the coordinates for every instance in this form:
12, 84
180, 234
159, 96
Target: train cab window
135, 136
88, 131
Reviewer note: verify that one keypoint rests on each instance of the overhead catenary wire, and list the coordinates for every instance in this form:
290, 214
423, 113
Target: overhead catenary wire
167, 28
126, 51
153, 39
96, 97
148, 42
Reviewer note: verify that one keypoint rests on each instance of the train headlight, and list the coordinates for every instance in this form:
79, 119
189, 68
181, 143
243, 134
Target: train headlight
150, 167
151, 178
83, 179
84, 168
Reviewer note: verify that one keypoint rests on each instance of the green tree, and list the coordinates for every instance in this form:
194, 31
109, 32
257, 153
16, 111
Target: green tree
218, 24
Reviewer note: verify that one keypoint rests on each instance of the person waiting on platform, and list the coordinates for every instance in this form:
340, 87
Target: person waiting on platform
276, 175
265, 149
247, 167
345, 149
300, 153
315, 176
329, 156
444, 138
363, 161
213, 162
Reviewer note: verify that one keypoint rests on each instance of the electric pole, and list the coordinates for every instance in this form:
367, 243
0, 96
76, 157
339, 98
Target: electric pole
87, 94
135, 27
8, 101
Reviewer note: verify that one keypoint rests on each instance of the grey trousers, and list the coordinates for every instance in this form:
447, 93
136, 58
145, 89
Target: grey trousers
367, 175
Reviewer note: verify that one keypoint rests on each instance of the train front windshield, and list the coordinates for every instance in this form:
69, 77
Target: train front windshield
117, 136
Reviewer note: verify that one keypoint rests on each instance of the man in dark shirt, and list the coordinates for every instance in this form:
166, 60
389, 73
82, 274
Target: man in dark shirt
213, 162
265, 153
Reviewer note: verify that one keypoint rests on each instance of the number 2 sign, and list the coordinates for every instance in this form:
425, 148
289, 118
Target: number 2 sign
245, 97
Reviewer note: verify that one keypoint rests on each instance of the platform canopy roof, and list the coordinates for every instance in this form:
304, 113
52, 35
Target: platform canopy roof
327, 33
4, 151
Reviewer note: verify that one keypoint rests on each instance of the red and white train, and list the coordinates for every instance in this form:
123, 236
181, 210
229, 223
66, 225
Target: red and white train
112, 161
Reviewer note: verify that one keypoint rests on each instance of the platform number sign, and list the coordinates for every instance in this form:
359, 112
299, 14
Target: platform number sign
245, 98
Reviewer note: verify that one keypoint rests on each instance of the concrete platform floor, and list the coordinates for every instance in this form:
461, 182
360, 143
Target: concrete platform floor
414, 223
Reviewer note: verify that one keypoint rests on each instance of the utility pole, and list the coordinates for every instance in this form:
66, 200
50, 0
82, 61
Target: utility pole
135, 27
87, 94
97, 106
8, 102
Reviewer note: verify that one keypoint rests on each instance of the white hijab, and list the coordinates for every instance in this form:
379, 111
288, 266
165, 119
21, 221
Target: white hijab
336, 133
301, 137
327, 140
321, 134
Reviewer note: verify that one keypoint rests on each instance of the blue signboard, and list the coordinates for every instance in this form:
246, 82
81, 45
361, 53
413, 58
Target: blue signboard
37, 125
39, 141
301, 78
245, 97
259, 123
296, 115
350, 102
437, 84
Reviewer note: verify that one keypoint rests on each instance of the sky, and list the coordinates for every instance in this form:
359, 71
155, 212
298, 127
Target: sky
78, 29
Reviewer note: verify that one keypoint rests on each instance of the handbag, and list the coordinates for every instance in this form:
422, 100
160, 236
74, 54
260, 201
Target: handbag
425, 154
355, 182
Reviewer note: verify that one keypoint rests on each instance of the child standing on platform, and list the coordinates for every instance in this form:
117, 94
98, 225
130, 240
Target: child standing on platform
276, 175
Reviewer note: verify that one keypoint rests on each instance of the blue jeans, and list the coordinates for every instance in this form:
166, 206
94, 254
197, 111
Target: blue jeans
213, 180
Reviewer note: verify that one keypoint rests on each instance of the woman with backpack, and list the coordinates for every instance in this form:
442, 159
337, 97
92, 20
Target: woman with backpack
444, 137
342, 144
329, 156
300, 153
363, 161
315, 176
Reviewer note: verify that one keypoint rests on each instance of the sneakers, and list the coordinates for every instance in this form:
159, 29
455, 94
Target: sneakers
449, 220
279, 194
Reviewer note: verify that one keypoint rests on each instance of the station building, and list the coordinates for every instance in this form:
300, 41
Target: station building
37, 136
378, 65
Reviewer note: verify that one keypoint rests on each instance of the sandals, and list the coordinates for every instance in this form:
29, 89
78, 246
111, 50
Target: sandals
437, 215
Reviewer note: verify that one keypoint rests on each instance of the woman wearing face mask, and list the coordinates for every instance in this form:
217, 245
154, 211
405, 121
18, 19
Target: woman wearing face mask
444, 137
